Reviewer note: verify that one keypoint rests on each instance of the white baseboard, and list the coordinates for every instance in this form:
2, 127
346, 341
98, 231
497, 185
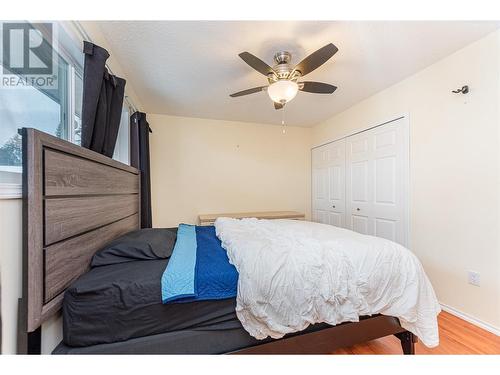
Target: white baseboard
486, 326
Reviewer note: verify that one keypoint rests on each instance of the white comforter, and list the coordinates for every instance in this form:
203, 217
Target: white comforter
295, 273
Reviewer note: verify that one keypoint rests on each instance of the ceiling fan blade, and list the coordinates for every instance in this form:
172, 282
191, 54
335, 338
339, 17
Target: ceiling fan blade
248, 91
256, 63
278, 105
316, 59
317, 87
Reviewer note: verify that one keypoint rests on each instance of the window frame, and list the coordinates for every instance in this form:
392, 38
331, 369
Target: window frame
13, 190
123, 138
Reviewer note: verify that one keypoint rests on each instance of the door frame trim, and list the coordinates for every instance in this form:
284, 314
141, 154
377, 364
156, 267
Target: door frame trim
407, 137
367, 127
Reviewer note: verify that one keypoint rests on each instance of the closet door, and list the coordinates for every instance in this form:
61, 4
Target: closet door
319, 184
359, 185
336, 183
377, 182
328, 183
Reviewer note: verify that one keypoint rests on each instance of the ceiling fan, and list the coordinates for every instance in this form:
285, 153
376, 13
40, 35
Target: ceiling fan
284, 80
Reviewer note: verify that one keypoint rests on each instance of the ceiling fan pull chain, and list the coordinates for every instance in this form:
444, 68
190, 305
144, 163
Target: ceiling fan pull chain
283, 119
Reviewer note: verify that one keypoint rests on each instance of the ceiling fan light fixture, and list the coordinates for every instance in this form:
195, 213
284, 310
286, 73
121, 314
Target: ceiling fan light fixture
282, 91
282, 78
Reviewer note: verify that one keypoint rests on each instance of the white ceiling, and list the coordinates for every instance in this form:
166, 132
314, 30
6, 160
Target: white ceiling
189, 68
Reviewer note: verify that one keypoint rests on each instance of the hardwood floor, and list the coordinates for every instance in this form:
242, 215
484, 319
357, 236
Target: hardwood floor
456, 337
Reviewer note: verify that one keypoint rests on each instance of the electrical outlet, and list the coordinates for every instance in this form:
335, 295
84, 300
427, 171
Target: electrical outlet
474, 278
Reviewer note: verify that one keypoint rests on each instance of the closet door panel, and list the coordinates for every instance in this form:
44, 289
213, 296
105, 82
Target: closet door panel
359, 181
319, 185
358, 145
320, 194
360, 224
359, 184
321, 216
336, 183
377, 181
386, 228
385, 180
336, 219
328, 183
387, 173
336, 167
391, 163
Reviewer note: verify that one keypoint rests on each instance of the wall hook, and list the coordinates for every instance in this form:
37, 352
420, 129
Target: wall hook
463, 90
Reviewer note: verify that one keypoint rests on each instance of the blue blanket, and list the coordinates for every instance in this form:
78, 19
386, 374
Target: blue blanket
199, 268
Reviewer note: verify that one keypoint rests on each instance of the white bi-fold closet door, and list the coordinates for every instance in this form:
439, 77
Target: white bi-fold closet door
328, 180
361, 182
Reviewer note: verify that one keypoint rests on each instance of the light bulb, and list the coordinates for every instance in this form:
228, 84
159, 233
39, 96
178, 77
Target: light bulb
282, 91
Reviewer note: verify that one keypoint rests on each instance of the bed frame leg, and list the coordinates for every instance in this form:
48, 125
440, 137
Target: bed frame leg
27, 342
408, 341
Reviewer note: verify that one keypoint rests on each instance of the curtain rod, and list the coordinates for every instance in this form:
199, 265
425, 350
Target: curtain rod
85, 36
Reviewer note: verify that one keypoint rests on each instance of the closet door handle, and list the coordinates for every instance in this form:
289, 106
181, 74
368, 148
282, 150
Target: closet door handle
358, 209
333, 206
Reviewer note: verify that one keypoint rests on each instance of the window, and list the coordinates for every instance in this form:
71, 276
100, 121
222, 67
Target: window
54, 111
122, 142
77, 113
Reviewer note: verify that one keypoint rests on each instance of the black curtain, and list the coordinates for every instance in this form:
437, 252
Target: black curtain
139, 158
102, 102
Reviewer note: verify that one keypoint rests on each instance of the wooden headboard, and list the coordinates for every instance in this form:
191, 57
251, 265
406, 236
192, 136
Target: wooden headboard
74, 202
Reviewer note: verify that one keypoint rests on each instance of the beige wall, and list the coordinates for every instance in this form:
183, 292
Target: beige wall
10, 269
11, 280
454, 152
209, 166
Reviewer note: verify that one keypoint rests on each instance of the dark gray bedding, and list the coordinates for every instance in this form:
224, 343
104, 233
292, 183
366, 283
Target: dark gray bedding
118, 302
141, 244
193, 341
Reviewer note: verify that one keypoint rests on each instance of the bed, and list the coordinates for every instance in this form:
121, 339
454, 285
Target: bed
74, 202
117, 309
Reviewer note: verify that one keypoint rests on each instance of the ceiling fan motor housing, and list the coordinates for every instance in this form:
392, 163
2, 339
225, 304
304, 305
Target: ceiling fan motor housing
282, 57
282, 67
